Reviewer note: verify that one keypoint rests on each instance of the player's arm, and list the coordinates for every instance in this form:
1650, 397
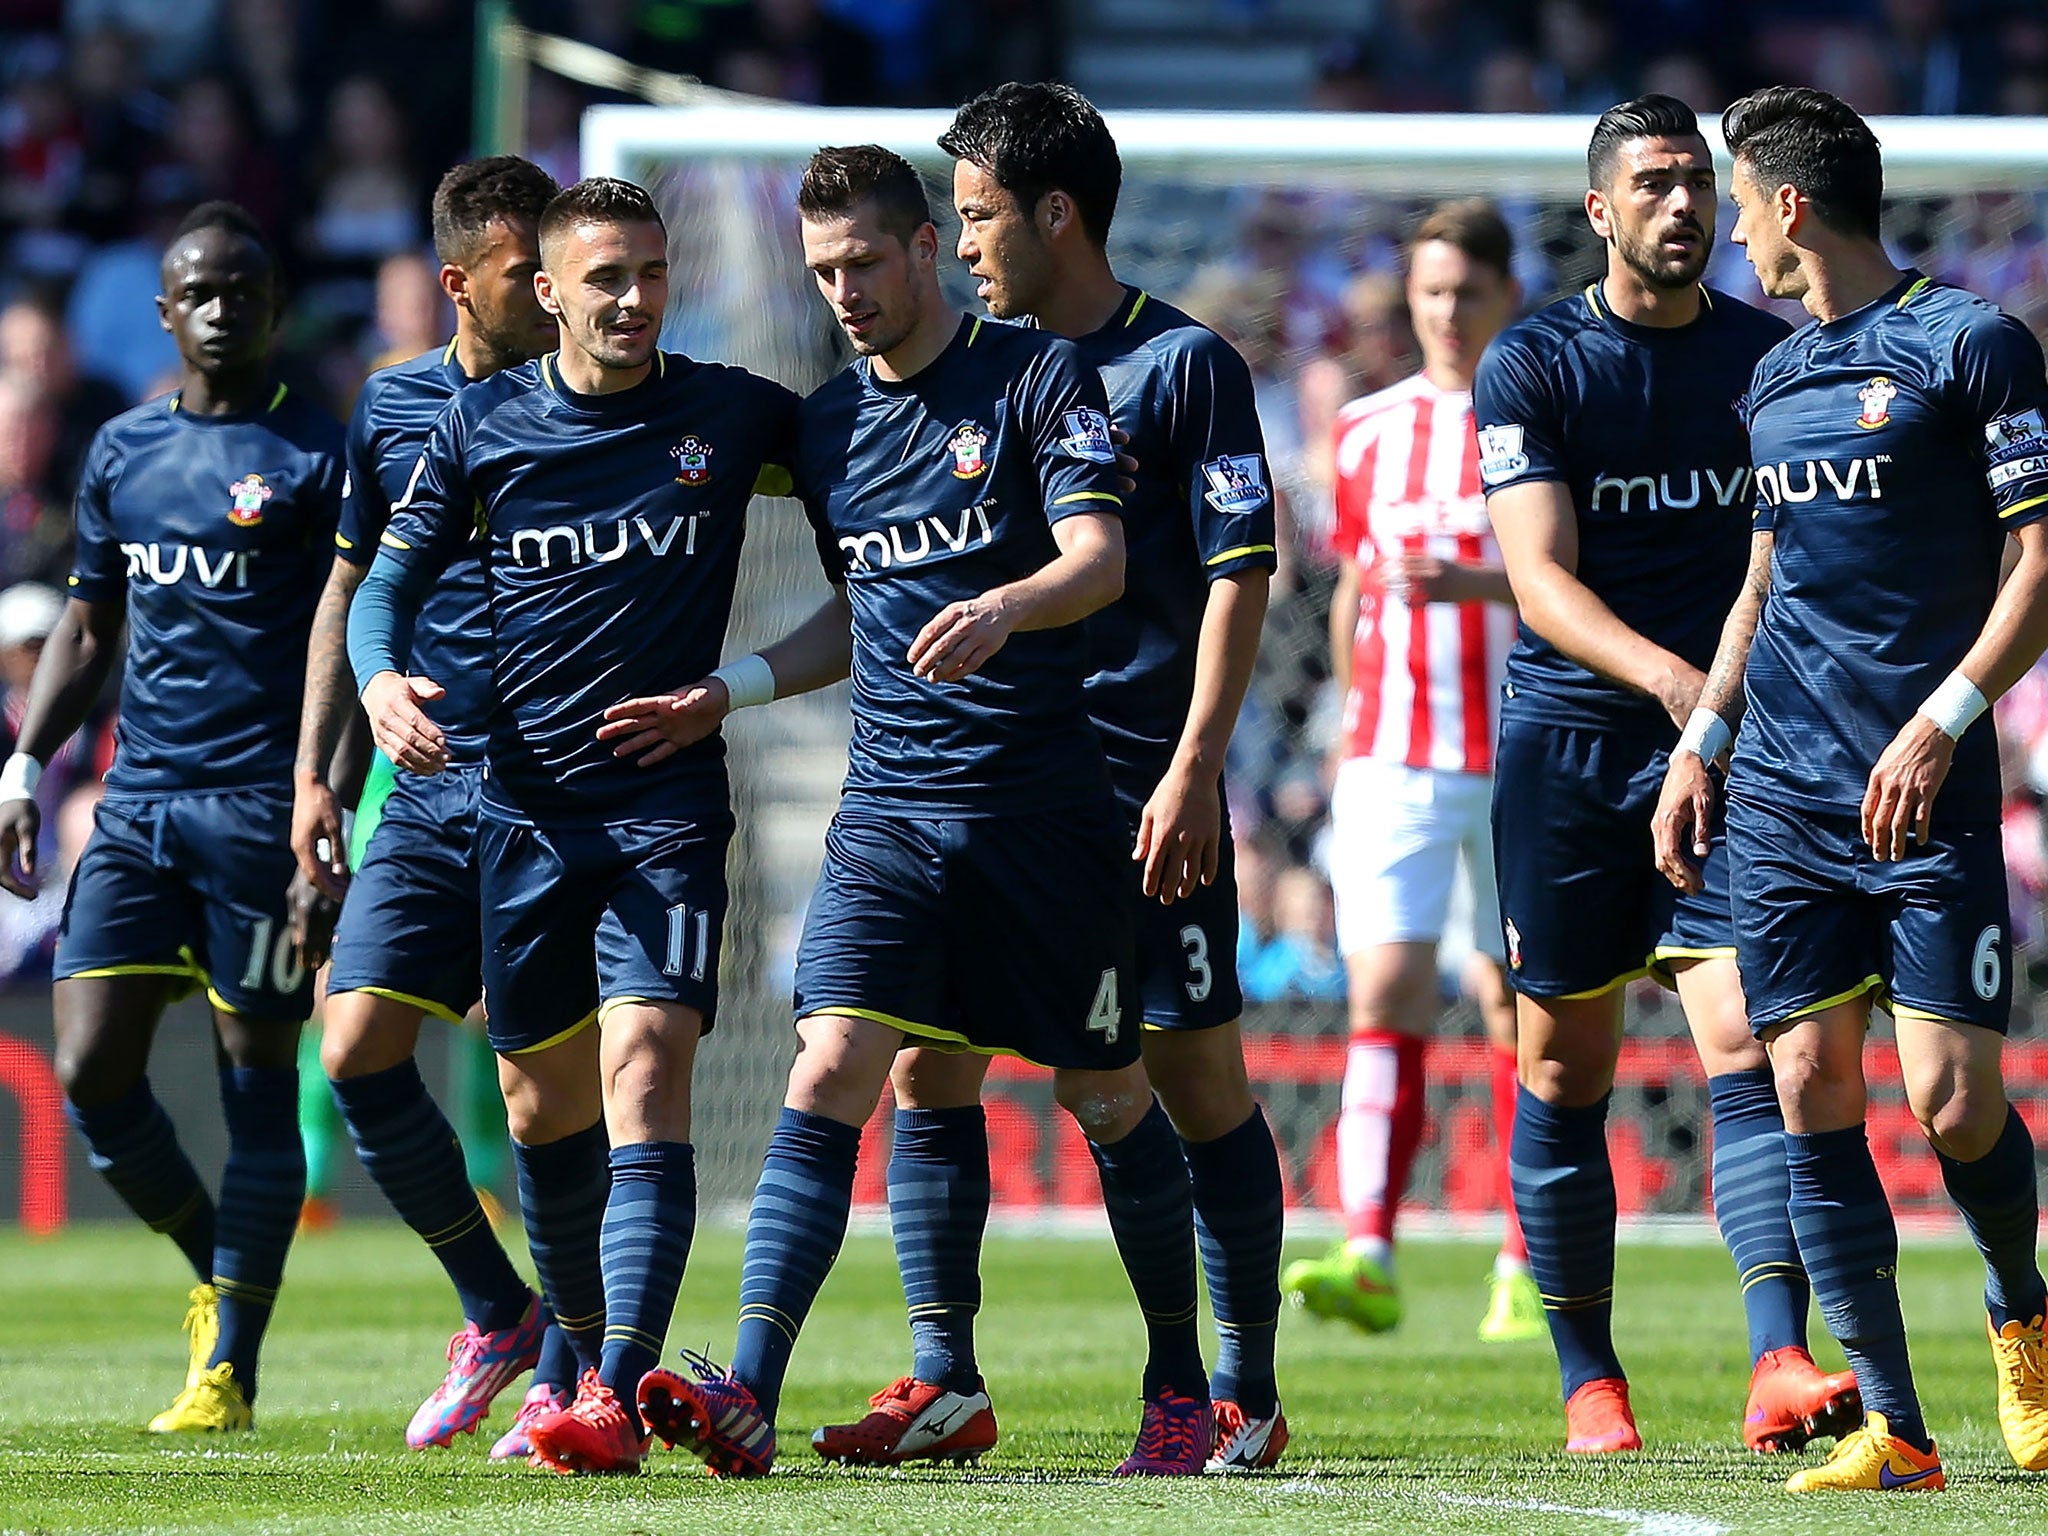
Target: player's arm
1538, 531
325, 718
1427, 579
1086, 575
77, 660
816, 654
1685, 808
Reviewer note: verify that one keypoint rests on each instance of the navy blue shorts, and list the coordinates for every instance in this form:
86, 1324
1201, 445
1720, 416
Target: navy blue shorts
1819, 921
411, 929
575, 918
1582, 905
190, 886
1001, 934
1187, 950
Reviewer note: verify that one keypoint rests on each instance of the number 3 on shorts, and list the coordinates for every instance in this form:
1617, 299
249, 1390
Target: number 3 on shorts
1105, 1017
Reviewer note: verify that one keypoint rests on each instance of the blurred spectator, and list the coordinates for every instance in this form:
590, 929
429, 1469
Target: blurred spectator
1346, 79
1686, 76
268, 51
111, 313
794, 50
1425, 53
554, 124
424, 54
1931, 68
175, 37
33, 346
1580, 72
1507, 82
121, 123
210, 152
42, 162
1300, 963
981, 43
412, 311
35, 532
1377, 348
367, 205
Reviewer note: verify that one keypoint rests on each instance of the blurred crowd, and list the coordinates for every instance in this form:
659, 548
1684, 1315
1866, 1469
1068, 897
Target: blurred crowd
331, 122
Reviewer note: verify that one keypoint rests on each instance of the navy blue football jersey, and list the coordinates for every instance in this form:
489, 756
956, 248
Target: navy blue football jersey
1895, 449
451, 642
1203, 509
1640, 424
214, 531
609, 530
932, 491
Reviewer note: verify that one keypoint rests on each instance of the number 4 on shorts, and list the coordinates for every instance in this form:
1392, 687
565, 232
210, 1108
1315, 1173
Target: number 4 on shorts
1104, 1016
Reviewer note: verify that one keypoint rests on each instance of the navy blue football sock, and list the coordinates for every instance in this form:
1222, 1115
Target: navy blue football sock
1564, 1195
1148, 1193
1240, 1210
410, 1152
648, 1223
794, 1230
557, 1366
938, 1211
133, 1146
1749, 1203
1850, 1246
563, 1186
1999, 1203
262, 1188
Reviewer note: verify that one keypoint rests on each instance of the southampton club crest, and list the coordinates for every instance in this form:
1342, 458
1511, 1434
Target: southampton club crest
249, 493
1877, 397
967, 441
693, 460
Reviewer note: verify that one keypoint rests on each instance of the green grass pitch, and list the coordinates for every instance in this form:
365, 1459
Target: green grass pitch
1425, 1430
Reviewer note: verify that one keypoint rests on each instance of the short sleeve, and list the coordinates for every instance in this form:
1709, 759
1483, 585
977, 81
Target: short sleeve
439, 512
781, 413
1065, 411
2001, 388
1219, 451
365, 506
99, 570
1519, 419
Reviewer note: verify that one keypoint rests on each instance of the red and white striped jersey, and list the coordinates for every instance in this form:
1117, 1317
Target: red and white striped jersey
1425, 681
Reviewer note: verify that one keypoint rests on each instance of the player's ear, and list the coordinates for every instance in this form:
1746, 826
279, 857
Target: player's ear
455, 283
1596, 213
163, 312
1791, 207
544, 290
1055, 213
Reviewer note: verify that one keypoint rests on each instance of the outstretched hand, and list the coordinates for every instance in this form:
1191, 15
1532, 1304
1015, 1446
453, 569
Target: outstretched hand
656, 728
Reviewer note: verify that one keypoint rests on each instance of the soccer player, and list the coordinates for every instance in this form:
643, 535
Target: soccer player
1616, 472
964, 486
1899, 443
607, 486
1420, 626
1035, 180
203, 524
408, 943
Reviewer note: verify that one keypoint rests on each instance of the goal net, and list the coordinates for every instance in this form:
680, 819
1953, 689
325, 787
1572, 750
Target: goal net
1284, 232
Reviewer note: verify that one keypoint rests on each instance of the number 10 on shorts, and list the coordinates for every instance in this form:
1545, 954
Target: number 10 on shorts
683, 927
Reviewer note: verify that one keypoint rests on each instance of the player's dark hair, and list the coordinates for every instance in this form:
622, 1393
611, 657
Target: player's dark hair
478, 191
234, 219
1035, 139
1474, 226
843, 177
1654, 116
1794, 135
598, 200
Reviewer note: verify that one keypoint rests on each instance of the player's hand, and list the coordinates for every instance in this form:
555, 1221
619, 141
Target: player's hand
960, 639
1126, 461
317, 842
1421, 579
1679, 690
1685, 810
313, 913
1180, 834
660, 727
1898, 805
402, 730
20, 821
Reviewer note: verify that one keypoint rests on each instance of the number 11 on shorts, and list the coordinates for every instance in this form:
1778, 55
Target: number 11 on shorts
681, 922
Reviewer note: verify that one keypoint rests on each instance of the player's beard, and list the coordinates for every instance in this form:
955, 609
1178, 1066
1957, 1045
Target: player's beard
1646, 258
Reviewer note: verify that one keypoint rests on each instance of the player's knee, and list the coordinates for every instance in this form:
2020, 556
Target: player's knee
91, 1074
1818, 1091
1106, 1105
355, 1041
1963, 1120
1202, 1086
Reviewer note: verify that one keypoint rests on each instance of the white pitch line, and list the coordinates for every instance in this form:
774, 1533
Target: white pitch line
1640, 1522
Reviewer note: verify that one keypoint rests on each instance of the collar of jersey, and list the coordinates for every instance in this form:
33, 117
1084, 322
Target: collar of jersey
963, 337
1910, 283
599, 405
276, 398
1596, 300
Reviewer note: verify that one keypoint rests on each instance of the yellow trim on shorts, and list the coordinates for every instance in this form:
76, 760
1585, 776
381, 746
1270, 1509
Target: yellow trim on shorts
571, 1032
1867, 984
1620, 981
168, 968
606, 1005
1907, 1011
912, 1027
1681, 952
424, 1004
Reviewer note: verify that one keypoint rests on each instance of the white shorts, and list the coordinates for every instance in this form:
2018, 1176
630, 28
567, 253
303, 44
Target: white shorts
1397, 838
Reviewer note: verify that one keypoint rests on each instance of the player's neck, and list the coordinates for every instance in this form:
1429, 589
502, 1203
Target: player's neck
585, 375
921, 348
1447, 376
1629, 298
477, 358
223, 394
1082, 302
1841, 281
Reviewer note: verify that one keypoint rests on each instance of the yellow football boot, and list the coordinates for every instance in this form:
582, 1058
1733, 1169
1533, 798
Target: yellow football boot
1872, 1457
202, 1330
2019, 1352
212, 1403
1515, 1312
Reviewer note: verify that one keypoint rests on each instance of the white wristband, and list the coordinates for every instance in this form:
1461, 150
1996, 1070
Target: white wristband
1707, 734
748, 681
1954, 705
18, 778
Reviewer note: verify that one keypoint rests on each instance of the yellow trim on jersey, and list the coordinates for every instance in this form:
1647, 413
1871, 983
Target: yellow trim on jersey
388, 537
1620, 981
1088, 496
277, 399
660, 364
1847, 996
424, 1004
448, 352
976, 331
1242, 549
547, 370
1912, 293
912, 1027
1706, 297
774, 480
343, 541
1593, 300
570, 1033
1137, 305
2028, 504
